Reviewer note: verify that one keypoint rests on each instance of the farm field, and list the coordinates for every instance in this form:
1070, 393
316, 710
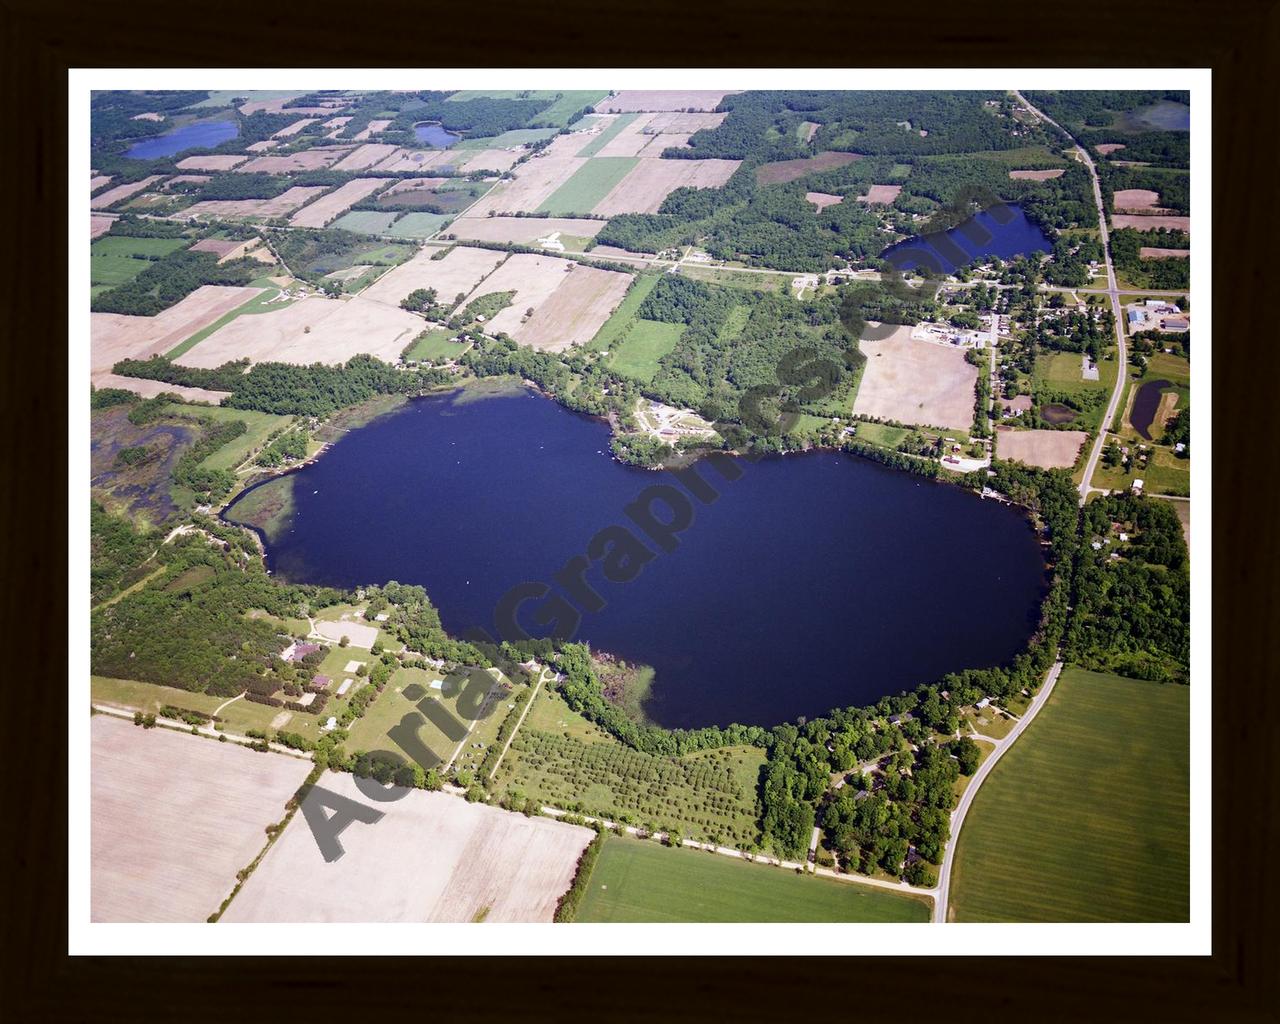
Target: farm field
625, 314
916, 382
308, 331
120, 192
789, 170
118, 258
1048, 449
533, 184
483, 863
327, 207
116, 336
524, 230
640, 881
365, 222
532, 278
1086, 817
642, 346
252, 209
265, 301
316, 159
458, 273
418, 225
661, 99
166, 845
1150, 223
651, 181
575, 311
561, 759
588, 186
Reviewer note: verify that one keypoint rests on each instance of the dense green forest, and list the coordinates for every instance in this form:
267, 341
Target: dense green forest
1171, 274
1097, 108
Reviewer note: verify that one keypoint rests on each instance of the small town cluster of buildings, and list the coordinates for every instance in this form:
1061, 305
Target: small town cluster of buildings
1157, 314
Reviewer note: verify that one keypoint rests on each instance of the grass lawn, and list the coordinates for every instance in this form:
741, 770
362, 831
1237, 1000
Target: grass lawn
436, 344
600, 141
588, 185
1086, 818
419, 225
1060, 372
625, 313
642, 346
561, 759
635, 880
261, 426
115, 259
879, 433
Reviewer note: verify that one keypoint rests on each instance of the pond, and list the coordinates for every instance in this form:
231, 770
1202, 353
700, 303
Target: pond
1056, 413
1002, 231
433, 134
197, 135
1145, 404
811, 582
1166, 115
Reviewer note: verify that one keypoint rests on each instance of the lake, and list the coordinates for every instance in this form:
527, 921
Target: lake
197, 135
1003, 231
1145, 403
434, 135
813, 581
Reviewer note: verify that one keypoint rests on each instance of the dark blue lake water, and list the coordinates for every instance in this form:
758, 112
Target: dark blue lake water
200, 135
813, 581
434, 135
1003, 231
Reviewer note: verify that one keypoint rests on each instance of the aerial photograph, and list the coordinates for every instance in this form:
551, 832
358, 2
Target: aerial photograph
627, 506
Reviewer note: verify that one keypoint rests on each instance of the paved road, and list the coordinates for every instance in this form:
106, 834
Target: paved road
1113, 292
962, 808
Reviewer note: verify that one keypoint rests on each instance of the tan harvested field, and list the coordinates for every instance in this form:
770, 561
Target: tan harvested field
458, 273
822, 199
1107, 148
677, 122
358, 633
372, 128
1129, 220
562, 146
651, 181
97, 181
430, 857
1136, 199
151, 388
534, 182
1044, 175
294, 128
114, 195
916, 382
415, 184
336, 122
789, 170
1151, 252
312, 330
365, 156
490, 160
100, 224
115, 336
524, 230
218, 246
630, 100
316, 159
881, 194
183, 179
211, 162
1048, 449
532, 278
242, 209
263, 146
174, 817
327, 207
414, 160
606, 251
576, 310
274, 106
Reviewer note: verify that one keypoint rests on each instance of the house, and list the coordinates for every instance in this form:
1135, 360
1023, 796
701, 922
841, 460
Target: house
1124, 538
298, 650
1175, 324
983, 703
319, 682
332, 723
1137, 486
1179, 447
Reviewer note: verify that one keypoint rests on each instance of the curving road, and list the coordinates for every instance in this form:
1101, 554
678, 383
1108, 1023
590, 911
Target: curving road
1111, 290
966, 801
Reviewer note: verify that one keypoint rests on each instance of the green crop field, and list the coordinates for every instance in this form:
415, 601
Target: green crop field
419, 225
589, 184
435, 344
365, 222
515, 137
600, 141
625, 314
1086, 818
642, 881
642, 346
116, 259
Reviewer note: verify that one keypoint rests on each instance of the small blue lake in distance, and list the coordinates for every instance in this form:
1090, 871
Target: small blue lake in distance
199, 135
1004, 232
435, 135
812, 582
